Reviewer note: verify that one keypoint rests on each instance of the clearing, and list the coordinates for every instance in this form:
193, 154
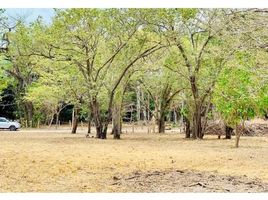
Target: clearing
57, 161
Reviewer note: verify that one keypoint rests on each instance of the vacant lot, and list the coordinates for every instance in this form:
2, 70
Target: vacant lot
56, 161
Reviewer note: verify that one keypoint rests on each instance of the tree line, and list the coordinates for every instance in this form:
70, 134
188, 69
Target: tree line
108, 64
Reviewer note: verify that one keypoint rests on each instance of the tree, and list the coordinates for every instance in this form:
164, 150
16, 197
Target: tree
235, 96
205, 41
103, 51
19, 65
168, 86
3, 78
48, 99
3, 46
88, 34
67, 79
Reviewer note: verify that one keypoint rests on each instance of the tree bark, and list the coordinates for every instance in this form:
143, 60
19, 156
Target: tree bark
117, 121
75, 117
112, 132
197, 124
89, 121
175, 116
148, 107
57, 119
117, 130
89, 126
238, 134
138, 105
100, 133
228, 132
188, 128
29, 113
144, 113
51, 120
161, 123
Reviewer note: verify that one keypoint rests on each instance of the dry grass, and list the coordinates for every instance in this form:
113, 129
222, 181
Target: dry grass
60, 162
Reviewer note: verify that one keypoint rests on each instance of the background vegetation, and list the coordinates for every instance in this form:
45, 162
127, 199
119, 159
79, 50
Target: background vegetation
133, 65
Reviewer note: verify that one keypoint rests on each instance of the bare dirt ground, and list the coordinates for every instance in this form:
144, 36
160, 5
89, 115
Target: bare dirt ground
56, 161
187, 181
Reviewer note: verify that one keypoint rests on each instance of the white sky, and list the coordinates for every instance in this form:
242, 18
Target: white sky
134, 3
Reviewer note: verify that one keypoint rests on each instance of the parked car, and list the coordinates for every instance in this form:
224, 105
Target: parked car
6, 124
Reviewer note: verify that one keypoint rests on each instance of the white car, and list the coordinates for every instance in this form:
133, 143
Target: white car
6, 124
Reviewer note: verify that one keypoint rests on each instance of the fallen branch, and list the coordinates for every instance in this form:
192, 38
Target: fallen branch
132, 177
198, 184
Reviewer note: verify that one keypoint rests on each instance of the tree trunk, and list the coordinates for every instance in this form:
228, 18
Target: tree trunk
188, 128
117, 121
38, 123
89, 122
75, 117
112, 132
144, 113
161, 123
228, 132
238, 134
89, 126
138, 105
197, 124
28, 106
51, 120
148, 107
131, 112
100, 133
175, 116
181, 115
117, 131
57, 119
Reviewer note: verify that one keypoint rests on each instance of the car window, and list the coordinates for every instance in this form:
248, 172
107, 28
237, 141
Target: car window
3, 120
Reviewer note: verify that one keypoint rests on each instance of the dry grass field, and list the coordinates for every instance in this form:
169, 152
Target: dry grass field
57, 161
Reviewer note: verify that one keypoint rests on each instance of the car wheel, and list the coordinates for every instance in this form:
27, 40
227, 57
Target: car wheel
12, 128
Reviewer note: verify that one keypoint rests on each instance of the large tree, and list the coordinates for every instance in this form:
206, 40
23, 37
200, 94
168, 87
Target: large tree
19, 64
205, 40
96, 42
161, 84
235, 95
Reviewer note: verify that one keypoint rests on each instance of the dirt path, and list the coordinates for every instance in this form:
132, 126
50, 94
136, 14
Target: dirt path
186, 181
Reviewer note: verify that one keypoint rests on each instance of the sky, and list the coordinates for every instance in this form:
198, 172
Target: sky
134, 3
31, 14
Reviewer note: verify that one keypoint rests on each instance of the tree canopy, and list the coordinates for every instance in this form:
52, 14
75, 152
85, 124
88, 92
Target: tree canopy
186, 63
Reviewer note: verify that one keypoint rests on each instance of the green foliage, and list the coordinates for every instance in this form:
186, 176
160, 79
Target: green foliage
263, 101
3, 76
234, 95
102, 54
4, 80
44, 95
